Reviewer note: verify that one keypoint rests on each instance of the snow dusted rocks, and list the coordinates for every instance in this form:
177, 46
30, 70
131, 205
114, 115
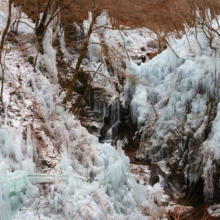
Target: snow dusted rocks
180, 211
214, 211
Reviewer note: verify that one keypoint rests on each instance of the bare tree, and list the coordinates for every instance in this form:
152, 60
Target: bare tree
3, 37
43, 13
96, 13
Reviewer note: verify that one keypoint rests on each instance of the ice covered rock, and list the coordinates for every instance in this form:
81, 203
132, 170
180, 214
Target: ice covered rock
214, 210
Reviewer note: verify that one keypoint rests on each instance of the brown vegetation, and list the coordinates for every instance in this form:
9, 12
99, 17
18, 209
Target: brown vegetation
163, 17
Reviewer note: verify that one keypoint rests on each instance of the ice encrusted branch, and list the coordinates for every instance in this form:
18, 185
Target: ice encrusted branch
208, 173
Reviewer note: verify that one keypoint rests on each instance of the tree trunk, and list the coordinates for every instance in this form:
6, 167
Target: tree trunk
81, 101
80, 59
40, 30
2, 44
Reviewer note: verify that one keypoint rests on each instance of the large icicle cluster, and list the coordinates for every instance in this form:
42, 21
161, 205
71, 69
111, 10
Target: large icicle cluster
17, 158
182, 82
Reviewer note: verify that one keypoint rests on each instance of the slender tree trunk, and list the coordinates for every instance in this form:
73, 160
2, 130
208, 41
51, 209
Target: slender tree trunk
40, 30
80, 59
84, 95
81, 101
18, 20
2, 45
215, 67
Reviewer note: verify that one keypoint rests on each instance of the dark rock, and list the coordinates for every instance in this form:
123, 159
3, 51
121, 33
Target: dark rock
143, 49
151, 55
152, 44
147, 159
2, 109
30, 60
154, 179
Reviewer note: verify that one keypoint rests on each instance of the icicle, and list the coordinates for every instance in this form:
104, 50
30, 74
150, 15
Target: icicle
6, 114
5, 206
115, 112
56, 203
52, 190
173, 59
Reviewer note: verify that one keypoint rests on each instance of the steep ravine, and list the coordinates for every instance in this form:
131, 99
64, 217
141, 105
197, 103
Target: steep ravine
180, 152
139, 132
118, 126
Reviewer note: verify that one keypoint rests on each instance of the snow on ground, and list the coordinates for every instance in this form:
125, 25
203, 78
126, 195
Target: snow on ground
140, 173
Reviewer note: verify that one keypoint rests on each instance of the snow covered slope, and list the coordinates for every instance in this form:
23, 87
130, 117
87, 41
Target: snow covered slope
37, 135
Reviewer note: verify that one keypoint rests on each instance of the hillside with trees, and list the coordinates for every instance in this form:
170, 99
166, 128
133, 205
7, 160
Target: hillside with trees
109, 109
